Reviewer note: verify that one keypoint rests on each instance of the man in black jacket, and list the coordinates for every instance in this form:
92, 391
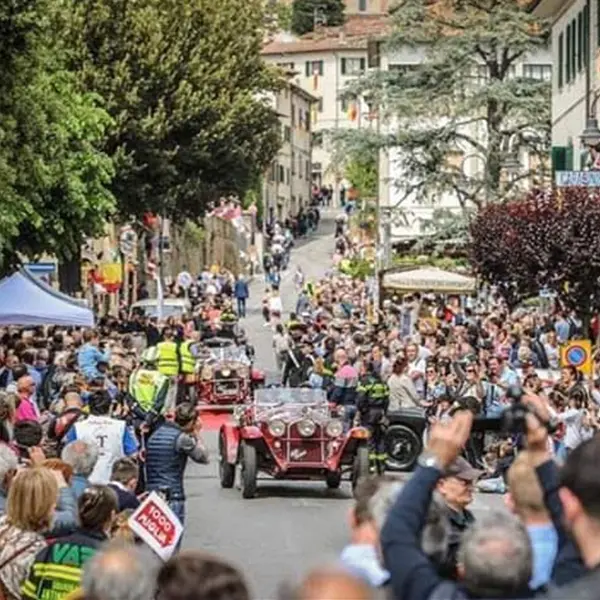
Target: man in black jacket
495, 554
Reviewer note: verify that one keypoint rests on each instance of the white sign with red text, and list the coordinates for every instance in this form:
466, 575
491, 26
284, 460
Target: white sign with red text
156, 525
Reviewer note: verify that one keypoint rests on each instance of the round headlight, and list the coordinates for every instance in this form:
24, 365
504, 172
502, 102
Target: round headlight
206, 373
334, 428
276, 427
306, 428
226, 372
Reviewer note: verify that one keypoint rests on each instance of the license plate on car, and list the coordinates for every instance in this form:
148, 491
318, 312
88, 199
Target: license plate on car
226, 388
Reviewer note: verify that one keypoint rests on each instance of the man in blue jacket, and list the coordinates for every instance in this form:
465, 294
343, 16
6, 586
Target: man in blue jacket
89, 356
241, 293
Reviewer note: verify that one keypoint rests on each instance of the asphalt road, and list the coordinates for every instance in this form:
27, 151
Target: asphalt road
289, 527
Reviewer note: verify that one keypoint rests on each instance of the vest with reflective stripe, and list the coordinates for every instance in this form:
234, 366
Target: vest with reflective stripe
168, 361
164, 464
188, 362
144, 384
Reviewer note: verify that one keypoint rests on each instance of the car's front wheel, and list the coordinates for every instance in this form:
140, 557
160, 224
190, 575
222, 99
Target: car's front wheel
403, 448
360, 466
249, 470
226, 469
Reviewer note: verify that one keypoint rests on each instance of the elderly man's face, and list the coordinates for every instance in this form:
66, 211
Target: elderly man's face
458, 493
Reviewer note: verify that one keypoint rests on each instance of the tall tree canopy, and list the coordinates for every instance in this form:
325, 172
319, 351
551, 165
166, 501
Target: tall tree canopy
308, 13
547, 240
53, 175
183, 83
453, 114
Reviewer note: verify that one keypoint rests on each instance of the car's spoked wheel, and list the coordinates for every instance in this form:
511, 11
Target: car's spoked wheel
226, 469
249, 470
403, 448
360, 467
333, 479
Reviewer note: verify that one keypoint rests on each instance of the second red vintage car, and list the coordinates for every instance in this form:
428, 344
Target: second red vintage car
291, 433
226, 377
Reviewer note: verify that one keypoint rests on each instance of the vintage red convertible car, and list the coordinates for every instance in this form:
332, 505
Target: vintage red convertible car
290, 433
226, 377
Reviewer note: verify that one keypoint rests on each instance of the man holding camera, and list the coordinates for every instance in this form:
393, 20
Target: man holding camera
167, 453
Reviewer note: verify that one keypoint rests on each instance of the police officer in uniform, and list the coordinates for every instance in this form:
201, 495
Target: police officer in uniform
187, 386
372, 401
148, 388
168, 364
297, 366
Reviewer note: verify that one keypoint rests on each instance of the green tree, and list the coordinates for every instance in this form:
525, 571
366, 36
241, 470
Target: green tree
361, 172
465, 109
53, 176
183, 82
308, 13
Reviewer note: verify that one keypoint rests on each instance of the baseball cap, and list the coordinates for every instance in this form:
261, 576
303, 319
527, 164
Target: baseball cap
462, 469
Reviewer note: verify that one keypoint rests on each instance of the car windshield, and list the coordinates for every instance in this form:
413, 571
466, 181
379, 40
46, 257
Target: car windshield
169, 310
290, 403
290, 396
231, 353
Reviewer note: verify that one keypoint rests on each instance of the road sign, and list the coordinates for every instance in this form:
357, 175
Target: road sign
578, 354
127, 241
589, 179
184, 280
156, 524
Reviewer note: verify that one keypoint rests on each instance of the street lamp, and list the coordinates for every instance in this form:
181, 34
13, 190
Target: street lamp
590, 137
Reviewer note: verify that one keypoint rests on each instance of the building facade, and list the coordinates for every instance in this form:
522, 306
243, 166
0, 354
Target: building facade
416, 214
287, 183
324, 63
575, 39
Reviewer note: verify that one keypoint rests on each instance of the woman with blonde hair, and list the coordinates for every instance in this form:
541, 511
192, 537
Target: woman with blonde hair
29, 510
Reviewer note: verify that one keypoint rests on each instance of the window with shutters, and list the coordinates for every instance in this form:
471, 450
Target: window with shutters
539, 72
561, 60
313, 67
568, 56
281, 174
586, 35
573, 48
353, 66
362, 5
559, 158
580, 41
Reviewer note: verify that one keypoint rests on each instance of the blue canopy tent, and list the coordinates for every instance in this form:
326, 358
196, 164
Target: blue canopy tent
26, 301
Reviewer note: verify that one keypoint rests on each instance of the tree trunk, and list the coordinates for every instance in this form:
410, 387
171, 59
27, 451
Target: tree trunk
69, 274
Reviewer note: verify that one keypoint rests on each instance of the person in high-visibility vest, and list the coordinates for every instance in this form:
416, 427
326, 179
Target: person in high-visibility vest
168, 364
148, 388
188, 369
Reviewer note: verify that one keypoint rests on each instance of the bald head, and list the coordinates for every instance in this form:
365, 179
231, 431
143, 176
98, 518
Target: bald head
332, 584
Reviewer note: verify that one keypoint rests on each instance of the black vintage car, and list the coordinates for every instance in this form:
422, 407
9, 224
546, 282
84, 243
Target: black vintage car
404, 436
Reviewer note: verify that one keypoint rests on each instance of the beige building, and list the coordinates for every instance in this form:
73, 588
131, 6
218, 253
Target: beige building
287, 184
324, 63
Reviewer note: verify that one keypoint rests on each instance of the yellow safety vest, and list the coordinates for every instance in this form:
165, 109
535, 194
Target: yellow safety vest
168, 360
144, 384
188, 362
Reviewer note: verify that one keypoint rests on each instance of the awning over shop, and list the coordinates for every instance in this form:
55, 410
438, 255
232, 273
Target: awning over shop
428, 279
27, 301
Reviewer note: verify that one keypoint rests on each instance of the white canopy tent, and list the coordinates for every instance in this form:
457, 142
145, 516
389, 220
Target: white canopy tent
428, 279
27, 301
